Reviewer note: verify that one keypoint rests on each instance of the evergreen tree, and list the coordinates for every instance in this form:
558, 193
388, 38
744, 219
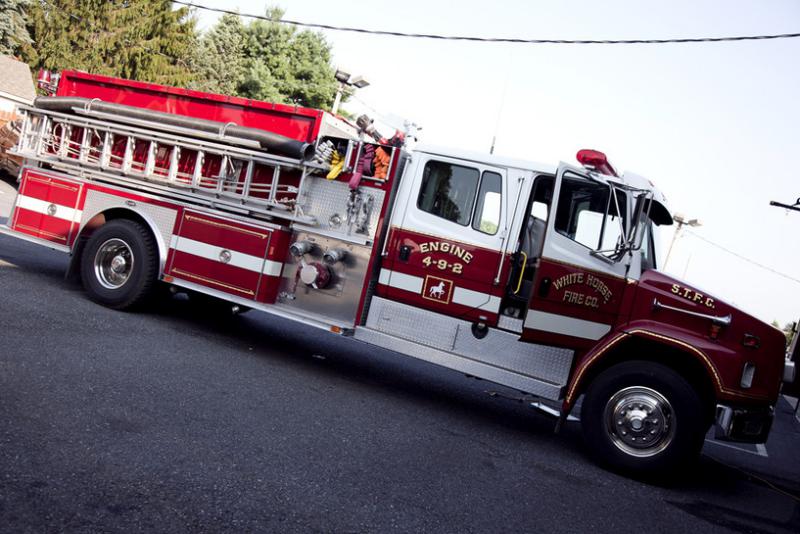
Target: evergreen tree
284, 65
13, 31
137, 39
219, 66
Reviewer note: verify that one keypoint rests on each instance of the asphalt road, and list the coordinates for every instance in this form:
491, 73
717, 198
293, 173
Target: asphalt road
176, 422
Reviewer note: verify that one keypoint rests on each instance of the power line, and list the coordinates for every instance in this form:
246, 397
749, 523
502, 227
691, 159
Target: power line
494, 39
748, 260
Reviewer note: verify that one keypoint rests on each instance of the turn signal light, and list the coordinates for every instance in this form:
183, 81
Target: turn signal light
750, 341
714, 332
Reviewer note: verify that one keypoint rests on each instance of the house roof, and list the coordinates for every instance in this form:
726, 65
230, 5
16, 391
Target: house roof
15, 80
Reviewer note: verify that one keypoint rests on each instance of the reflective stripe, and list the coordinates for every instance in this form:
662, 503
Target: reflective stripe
566, 325
462, 296
40, 206
237, 259
403, 281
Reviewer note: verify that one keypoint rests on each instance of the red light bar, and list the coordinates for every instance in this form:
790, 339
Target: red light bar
596, 160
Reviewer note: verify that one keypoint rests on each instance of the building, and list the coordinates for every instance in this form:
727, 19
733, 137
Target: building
16, 87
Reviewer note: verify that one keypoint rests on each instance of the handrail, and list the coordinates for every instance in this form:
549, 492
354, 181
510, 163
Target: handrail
522, 272
716, 319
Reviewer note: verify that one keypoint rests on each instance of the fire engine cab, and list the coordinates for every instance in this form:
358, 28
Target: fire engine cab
538, 277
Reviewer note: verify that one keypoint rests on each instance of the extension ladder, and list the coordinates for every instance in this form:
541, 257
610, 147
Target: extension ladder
181, 162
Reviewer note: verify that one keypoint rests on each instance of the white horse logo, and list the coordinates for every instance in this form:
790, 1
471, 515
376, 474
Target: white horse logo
436, 291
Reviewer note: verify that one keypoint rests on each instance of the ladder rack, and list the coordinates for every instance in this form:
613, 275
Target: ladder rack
185, 164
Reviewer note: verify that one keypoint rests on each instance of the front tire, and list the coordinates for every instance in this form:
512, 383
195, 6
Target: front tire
642, 418
119, 264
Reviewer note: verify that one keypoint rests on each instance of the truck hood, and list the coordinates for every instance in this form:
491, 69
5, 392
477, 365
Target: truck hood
698, 318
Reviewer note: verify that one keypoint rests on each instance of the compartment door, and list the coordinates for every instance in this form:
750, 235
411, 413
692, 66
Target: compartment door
224, 255
47, 207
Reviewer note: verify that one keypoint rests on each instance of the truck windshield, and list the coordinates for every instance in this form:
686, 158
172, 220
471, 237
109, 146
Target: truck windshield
587, 213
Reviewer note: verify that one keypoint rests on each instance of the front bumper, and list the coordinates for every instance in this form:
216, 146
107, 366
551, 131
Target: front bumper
745, 425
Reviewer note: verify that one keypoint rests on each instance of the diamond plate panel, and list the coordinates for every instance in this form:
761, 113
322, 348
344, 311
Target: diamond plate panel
324, 198
498, 349
413, 324
163, 218
505, 350
462, 364
510, 323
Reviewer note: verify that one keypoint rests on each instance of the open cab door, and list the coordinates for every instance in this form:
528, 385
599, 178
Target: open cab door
585, 262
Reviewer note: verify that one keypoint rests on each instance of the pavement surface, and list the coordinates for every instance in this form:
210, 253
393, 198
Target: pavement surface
173, 421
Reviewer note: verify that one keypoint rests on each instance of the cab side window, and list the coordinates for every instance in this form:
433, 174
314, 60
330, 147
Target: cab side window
487, 212
462, 195
448, 191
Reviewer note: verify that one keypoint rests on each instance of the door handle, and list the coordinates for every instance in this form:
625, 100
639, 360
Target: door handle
544, 287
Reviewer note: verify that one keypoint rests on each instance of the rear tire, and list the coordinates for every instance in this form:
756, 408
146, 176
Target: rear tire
643, 418
119, 265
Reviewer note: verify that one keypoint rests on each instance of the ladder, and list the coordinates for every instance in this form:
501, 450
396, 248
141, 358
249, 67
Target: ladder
184, 163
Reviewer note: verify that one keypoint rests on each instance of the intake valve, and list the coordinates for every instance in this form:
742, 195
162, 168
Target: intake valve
334, 255
316, 275
300, 248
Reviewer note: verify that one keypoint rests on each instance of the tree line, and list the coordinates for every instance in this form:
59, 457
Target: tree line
149, 40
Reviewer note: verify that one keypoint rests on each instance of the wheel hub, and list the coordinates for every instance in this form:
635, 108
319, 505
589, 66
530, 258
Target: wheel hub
118, 264
113, 263
639, 421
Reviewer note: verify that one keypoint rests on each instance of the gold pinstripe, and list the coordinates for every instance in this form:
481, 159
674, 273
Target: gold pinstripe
226, 226
709, 364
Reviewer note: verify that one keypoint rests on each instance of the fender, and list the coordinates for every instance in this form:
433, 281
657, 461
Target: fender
694, 345
163, 248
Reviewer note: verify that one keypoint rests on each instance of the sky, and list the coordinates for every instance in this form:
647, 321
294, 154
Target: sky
713, 125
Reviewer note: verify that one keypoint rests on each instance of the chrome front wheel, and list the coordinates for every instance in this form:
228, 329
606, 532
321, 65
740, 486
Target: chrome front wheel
640, 421
643, 418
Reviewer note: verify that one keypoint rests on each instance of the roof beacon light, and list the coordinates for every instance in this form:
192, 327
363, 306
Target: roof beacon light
596, 160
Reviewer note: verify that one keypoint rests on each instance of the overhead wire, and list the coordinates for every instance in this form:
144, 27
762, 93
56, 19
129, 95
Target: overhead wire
473, 38
744, 258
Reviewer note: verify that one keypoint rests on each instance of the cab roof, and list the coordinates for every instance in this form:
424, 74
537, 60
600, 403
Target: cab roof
659, 212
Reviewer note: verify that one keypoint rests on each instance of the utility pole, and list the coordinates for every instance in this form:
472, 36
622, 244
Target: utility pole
681, 221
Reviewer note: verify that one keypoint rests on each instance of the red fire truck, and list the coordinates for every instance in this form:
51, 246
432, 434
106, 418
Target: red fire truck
541, 278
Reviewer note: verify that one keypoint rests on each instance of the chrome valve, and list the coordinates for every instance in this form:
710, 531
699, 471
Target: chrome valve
334, 255
300, 248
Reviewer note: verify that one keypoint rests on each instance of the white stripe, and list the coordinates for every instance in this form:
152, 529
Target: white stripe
404, 281
238, 259
475, 299
564, 324
272, 268
462, 296
40, 206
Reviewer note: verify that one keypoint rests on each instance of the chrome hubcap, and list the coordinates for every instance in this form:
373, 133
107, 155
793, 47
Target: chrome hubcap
113, 263
640, 421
